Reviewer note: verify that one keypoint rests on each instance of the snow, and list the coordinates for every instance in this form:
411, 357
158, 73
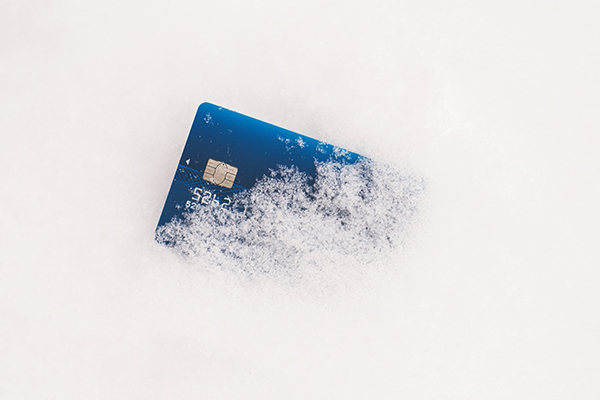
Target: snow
492, 294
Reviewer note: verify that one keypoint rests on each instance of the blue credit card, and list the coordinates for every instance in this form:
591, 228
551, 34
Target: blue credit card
227, 152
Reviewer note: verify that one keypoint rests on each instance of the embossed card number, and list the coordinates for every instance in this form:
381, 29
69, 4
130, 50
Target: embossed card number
203, 196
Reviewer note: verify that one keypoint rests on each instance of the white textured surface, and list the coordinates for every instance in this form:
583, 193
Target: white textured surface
494, 104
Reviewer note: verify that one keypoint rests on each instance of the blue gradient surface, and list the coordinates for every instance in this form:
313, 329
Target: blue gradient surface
255, 147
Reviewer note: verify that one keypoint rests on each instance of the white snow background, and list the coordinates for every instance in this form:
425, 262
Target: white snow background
494, 296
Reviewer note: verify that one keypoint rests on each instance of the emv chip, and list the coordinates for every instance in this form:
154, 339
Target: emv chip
219, 173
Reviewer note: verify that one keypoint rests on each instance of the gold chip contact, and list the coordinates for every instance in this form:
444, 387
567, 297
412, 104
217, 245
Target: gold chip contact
219, 173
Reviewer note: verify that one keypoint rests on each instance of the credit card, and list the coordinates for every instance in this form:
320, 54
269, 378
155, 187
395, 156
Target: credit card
227, 153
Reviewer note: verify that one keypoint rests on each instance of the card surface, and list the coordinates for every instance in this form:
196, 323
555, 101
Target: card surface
227, 152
